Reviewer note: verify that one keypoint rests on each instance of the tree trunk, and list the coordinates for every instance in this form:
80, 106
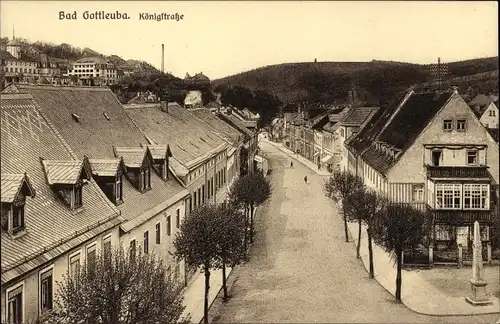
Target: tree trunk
246, 230
359, 239
345, 223
224, 281
370, 252
207, 289
398, 276
251, 223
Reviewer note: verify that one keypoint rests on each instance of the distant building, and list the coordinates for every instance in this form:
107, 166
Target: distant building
94, 71
143, 97
193, 100
486, 109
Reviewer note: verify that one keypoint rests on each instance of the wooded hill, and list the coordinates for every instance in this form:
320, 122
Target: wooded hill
375, 82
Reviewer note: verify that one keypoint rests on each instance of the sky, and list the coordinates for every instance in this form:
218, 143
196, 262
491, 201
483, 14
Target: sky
221, 38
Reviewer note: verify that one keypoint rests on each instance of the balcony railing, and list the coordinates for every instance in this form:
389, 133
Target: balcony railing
457, 171
462, 216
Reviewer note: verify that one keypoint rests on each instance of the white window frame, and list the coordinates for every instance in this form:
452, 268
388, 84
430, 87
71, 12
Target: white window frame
106, 237
481, 186
7, 291
465, 125
477, 157
418, 191
44, 270
451, 125
87, 247
70, 256
455, 188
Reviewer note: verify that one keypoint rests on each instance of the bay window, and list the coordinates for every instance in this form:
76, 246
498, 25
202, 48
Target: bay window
476, 196
448, 196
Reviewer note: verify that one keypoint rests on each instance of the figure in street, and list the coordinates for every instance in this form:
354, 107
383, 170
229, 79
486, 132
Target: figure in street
305, 179
291, 164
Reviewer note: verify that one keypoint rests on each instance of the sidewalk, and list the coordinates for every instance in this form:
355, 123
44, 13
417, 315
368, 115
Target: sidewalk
194, 294
417, 294
311, 165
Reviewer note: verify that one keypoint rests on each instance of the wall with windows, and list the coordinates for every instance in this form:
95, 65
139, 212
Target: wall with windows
410, 167
456, 156
37, 289
156, 236
461, 196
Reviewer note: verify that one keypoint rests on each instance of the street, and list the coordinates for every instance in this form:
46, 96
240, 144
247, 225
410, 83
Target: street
301, 269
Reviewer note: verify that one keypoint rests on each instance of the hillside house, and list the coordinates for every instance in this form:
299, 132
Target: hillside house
429, 149
193, 100
93, 71
487, 114
55, 216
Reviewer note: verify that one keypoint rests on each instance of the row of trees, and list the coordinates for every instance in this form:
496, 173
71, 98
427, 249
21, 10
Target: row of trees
122, 287
395, 227
216, 236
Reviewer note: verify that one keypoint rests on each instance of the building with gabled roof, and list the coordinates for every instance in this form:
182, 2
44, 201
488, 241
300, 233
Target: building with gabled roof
54, 215
200, 151
430, 150
486, 110
143, 187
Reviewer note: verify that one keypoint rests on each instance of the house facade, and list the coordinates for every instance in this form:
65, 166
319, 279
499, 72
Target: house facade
55, 217
489, 117
93, 70
429, 149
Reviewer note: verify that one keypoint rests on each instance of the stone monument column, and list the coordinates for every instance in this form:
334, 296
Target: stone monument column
478, 296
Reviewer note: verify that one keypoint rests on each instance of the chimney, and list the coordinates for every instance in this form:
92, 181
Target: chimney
162, 58
164, 106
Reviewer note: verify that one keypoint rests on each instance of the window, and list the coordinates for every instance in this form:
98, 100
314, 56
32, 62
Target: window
445, 233
199, 196
77, 197
91, 258
448, 196
46, 290
202, 194
146, 179
15, 305
472, 157
492, 113
461, 125
119, 189
106, 247
158, 233
178, 218
146, 242
74, 264
17, 217
169, 225
194, 199
476, 196
418, 193
448, 125
132, 249
436, 157
342, 132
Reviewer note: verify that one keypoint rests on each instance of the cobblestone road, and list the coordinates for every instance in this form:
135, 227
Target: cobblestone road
301, 269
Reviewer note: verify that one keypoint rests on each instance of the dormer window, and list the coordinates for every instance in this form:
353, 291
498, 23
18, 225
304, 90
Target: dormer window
67, 179
15, 188
138, 162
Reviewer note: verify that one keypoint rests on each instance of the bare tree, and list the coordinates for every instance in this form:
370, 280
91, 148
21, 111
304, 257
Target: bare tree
339, 187
117, 288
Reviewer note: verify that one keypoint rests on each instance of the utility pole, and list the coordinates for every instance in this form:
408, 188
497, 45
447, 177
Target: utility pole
438, 72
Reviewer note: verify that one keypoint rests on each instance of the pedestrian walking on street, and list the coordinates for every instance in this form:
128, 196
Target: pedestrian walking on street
305, 179
291, 164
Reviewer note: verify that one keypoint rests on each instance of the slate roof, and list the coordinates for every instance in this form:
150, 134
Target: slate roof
398, 125
51, 228
235, 122
12, 184
63, 172
105, 167
218, 126
94, 136
358, 115
133, 157
189, 138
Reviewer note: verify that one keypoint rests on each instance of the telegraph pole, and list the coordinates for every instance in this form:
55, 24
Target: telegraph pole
437, 72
